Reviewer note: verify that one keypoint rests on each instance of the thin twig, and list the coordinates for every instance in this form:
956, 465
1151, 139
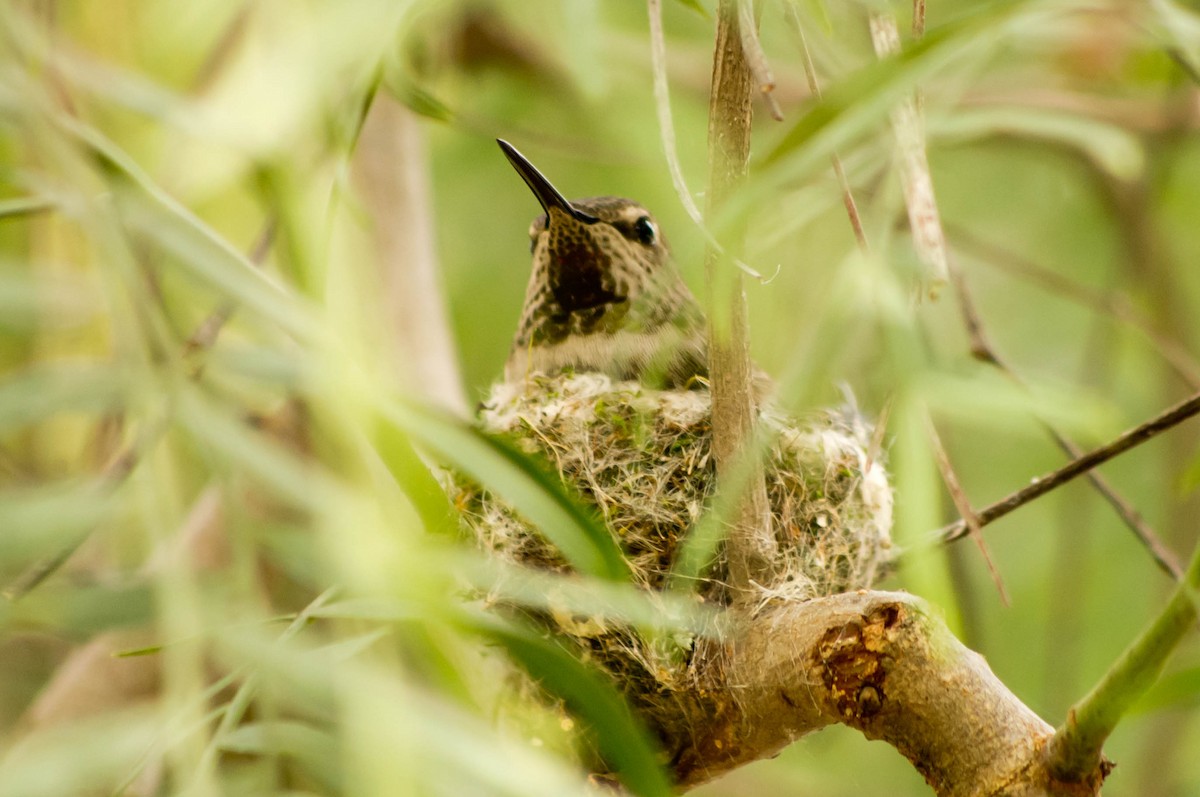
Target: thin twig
963, 505
810, 72
919, 199
1115, 305
756, 58
666, 127
983, 350
1041, 485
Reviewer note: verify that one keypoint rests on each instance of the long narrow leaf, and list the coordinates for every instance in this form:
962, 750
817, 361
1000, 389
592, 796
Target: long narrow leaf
535, 493
623, 740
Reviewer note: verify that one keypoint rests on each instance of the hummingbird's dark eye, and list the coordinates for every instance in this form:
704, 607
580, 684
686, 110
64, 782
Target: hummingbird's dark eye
644, 229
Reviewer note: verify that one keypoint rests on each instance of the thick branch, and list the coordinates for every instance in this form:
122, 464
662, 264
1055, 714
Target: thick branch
882, 663
751, 544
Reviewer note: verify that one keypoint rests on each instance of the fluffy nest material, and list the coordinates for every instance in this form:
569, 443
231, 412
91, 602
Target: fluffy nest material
643, 458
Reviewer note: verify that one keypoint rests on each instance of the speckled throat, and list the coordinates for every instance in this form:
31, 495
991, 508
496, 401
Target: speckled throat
603, 294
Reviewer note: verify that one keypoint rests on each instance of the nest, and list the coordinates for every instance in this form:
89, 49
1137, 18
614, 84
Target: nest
642, 458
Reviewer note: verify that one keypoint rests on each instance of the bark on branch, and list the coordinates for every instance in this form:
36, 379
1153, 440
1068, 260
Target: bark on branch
880, 662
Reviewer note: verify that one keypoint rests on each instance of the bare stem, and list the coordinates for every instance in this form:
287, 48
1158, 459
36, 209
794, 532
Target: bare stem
963, 505
751, 545
810, 72
983, 350
756, 58
1044, 484
924, 219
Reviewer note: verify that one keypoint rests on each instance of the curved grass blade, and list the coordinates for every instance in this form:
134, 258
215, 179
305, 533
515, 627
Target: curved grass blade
529, 487
49, 388
850, 106
623, 740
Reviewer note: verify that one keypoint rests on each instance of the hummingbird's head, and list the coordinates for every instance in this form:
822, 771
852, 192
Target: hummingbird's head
602, 282
597, 250
592, 255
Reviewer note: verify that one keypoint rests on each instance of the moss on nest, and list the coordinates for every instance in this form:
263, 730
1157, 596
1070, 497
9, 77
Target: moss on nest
642, 457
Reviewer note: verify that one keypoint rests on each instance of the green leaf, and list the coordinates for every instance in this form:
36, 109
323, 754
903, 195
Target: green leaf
420, 101
1115, 150
532, 489
235, 442
316, 751
623, 740
44, 519
86, 756
24, 206
50, 388
855, 105
696, 6
200, 249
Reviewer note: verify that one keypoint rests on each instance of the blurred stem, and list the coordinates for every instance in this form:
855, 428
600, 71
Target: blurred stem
393, 175
751, 545
1075, 748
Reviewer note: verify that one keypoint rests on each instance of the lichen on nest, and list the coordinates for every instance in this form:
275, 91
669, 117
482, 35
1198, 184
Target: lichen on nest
643, 458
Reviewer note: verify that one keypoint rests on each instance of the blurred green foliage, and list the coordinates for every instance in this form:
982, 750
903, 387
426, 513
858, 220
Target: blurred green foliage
146, 147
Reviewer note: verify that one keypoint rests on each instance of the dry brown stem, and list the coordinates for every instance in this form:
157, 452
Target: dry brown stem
1043, 484
982, 350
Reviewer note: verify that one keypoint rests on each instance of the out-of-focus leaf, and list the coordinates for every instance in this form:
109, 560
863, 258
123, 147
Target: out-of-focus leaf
622, 739
82, 611
986, 398
317, 752
856, 105
39, 521
536, 494
350, 647
819, 10
1116, 151
696, 6
543, 590
24, 206
322, 48
269, 462
53, 387
406, 468
31, 301
420, 101
659, 611
80, 758
207, 255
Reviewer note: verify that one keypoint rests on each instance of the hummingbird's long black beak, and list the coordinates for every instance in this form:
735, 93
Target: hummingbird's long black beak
547, 195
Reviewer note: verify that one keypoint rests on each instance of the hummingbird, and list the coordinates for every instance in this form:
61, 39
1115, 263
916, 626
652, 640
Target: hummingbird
604, 294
